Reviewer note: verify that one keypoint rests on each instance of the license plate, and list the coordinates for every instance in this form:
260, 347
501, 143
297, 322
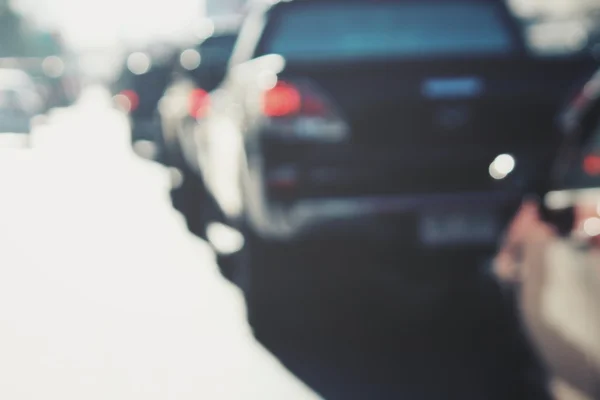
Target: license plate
455, 228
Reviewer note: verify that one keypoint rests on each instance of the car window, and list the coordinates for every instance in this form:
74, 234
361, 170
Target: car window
217, 49
332, 30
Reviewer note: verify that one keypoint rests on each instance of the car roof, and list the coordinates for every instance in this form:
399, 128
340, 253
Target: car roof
375, 1
270, 3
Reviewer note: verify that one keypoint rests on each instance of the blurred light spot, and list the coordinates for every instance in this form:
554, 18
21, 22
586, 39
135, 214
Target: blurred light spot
190, 59
198, 103
139, 63
205, 29
224, 239
267, 80
558, 37
282, 100
558, 200
176, 178
591, 226
145, 149
591, 165
127, 100
502, 166
167, 107
53, 67
122, 102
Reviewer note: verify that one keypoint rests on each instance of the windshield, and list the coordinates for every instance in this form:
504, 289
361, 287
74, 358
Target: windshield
313, 31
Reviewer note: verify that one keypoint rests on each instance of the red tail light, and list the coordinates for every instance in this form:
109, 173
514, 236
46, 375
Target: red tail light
128, 100
198, 103
304, 110
591, 165
287, 100
283, 100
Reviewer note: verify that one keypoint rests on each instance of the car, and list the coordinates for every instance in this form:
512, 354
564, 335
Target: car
19, 103
60, 80
421, 122
201, 69
56, 81
137, 91
550, 259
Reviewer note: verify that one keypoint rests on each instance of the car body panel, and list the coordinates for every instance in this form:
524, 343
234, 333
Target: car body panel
407, 98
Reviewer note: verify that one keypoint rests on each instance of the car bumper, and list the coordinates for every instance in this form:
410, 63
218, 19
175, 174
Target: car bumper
396, 218
307, 190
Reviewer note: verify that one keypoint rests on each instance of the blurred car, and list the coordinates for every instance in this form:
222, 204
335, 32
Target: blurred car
138, 89
200, 70
56, 80
19, 103
551, 255
401, 119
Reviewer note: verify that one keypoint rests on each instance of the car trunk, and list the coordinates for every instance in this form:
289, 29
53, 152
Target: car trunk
435, 126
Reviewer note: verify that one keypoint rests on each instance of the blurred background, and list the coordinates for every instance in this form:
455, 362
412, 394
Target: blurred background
113, 283
95, 38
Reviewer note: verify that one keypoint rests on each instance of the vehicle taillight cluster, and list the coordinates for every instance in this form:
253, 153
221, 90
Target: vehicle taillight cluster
283, 100
198, 103
288, 100
301, 110
128, 100
591, 165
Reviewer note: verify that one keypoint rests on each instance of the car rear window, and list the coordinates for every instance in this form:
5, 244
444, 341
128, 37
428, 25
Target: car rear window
373, 29
218, 48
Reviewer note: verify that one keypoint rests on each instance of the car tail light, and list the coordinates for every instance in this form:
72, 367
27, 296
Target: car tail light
287, 100
198, 103
302, 110
128, 100
283, 100
591, 165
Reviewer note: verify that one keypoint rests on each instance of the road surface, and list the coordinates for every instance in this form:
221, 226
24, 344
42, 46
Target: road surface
103, 292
